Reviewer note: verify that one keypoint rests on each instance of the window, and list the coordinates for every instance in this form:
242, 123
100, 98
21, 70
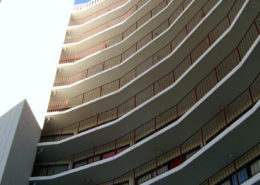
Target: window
162, 169
255, 167
123, 183
242, 176
227, 182
46, 170
175, 162
107, 155
80, 163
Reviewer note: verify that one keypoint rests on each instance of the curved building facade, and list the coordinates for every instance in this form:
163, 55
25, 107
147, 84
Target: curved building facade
155, 92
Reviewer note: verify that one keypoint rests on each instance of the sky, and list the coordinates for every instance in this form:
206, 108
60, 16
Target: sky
79, 1
31, 36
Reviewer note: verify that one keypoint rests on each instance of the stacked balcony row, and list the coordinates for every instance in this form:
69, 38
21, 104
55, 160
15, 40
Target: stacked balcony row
159, 55
76, 37
114, 61
148, 92
236, 108
90, 16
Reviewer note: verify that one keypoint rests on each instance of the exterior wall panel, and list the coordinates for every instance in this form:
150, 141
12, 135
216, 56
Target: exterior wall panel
19, 135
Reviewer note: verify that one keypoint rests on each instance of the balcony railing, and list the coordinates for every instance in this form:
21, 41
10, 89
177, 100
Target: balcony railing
239, 171
120, 37
192, 145
106, 25
60, 105
211, 129
96, 14
158, 86
218, 73
66, 80
87, 5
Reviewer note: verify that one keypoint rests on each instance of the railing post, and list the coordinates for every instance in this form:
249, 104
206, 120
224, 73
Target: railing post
196, 94
201, 135
251, 96
156, 166
171, 46
100, 94
238, 53
186, 28
225, 117
257, 29
135, 100
182, 6
134, 135
216, 74
235, 167
119, 84
60, 132
72, 162
181, 152
209, 40
153, 89
202, 12
53, 169
229, 22
83, 97
67, 103
155, 124
93, 157
78, 127
117, 111
173, 76
115, 147
177, 110
70, 80
190, 59
134, 177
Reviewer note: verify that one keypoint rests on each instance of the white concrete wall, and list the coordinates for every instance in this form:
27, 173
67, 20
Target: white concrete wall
19, 135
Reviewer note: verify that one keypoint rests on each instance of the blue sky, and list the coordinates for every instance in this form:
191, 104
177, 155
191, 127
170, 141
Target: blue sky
78, 1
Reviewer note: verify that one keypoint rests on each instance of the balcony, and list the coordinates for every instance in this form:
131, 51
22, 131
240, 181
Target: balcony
163, 119
203, 137
96, 26
93, 120
127, 35
76, 21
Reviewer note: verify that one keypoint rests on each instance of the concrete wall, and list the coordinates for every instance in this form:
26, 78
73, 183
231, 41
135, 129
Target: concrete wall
19, 135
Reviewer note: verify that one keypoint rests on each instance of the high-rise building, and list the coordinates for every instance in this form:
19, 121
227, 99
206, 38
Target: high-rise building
155, 92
